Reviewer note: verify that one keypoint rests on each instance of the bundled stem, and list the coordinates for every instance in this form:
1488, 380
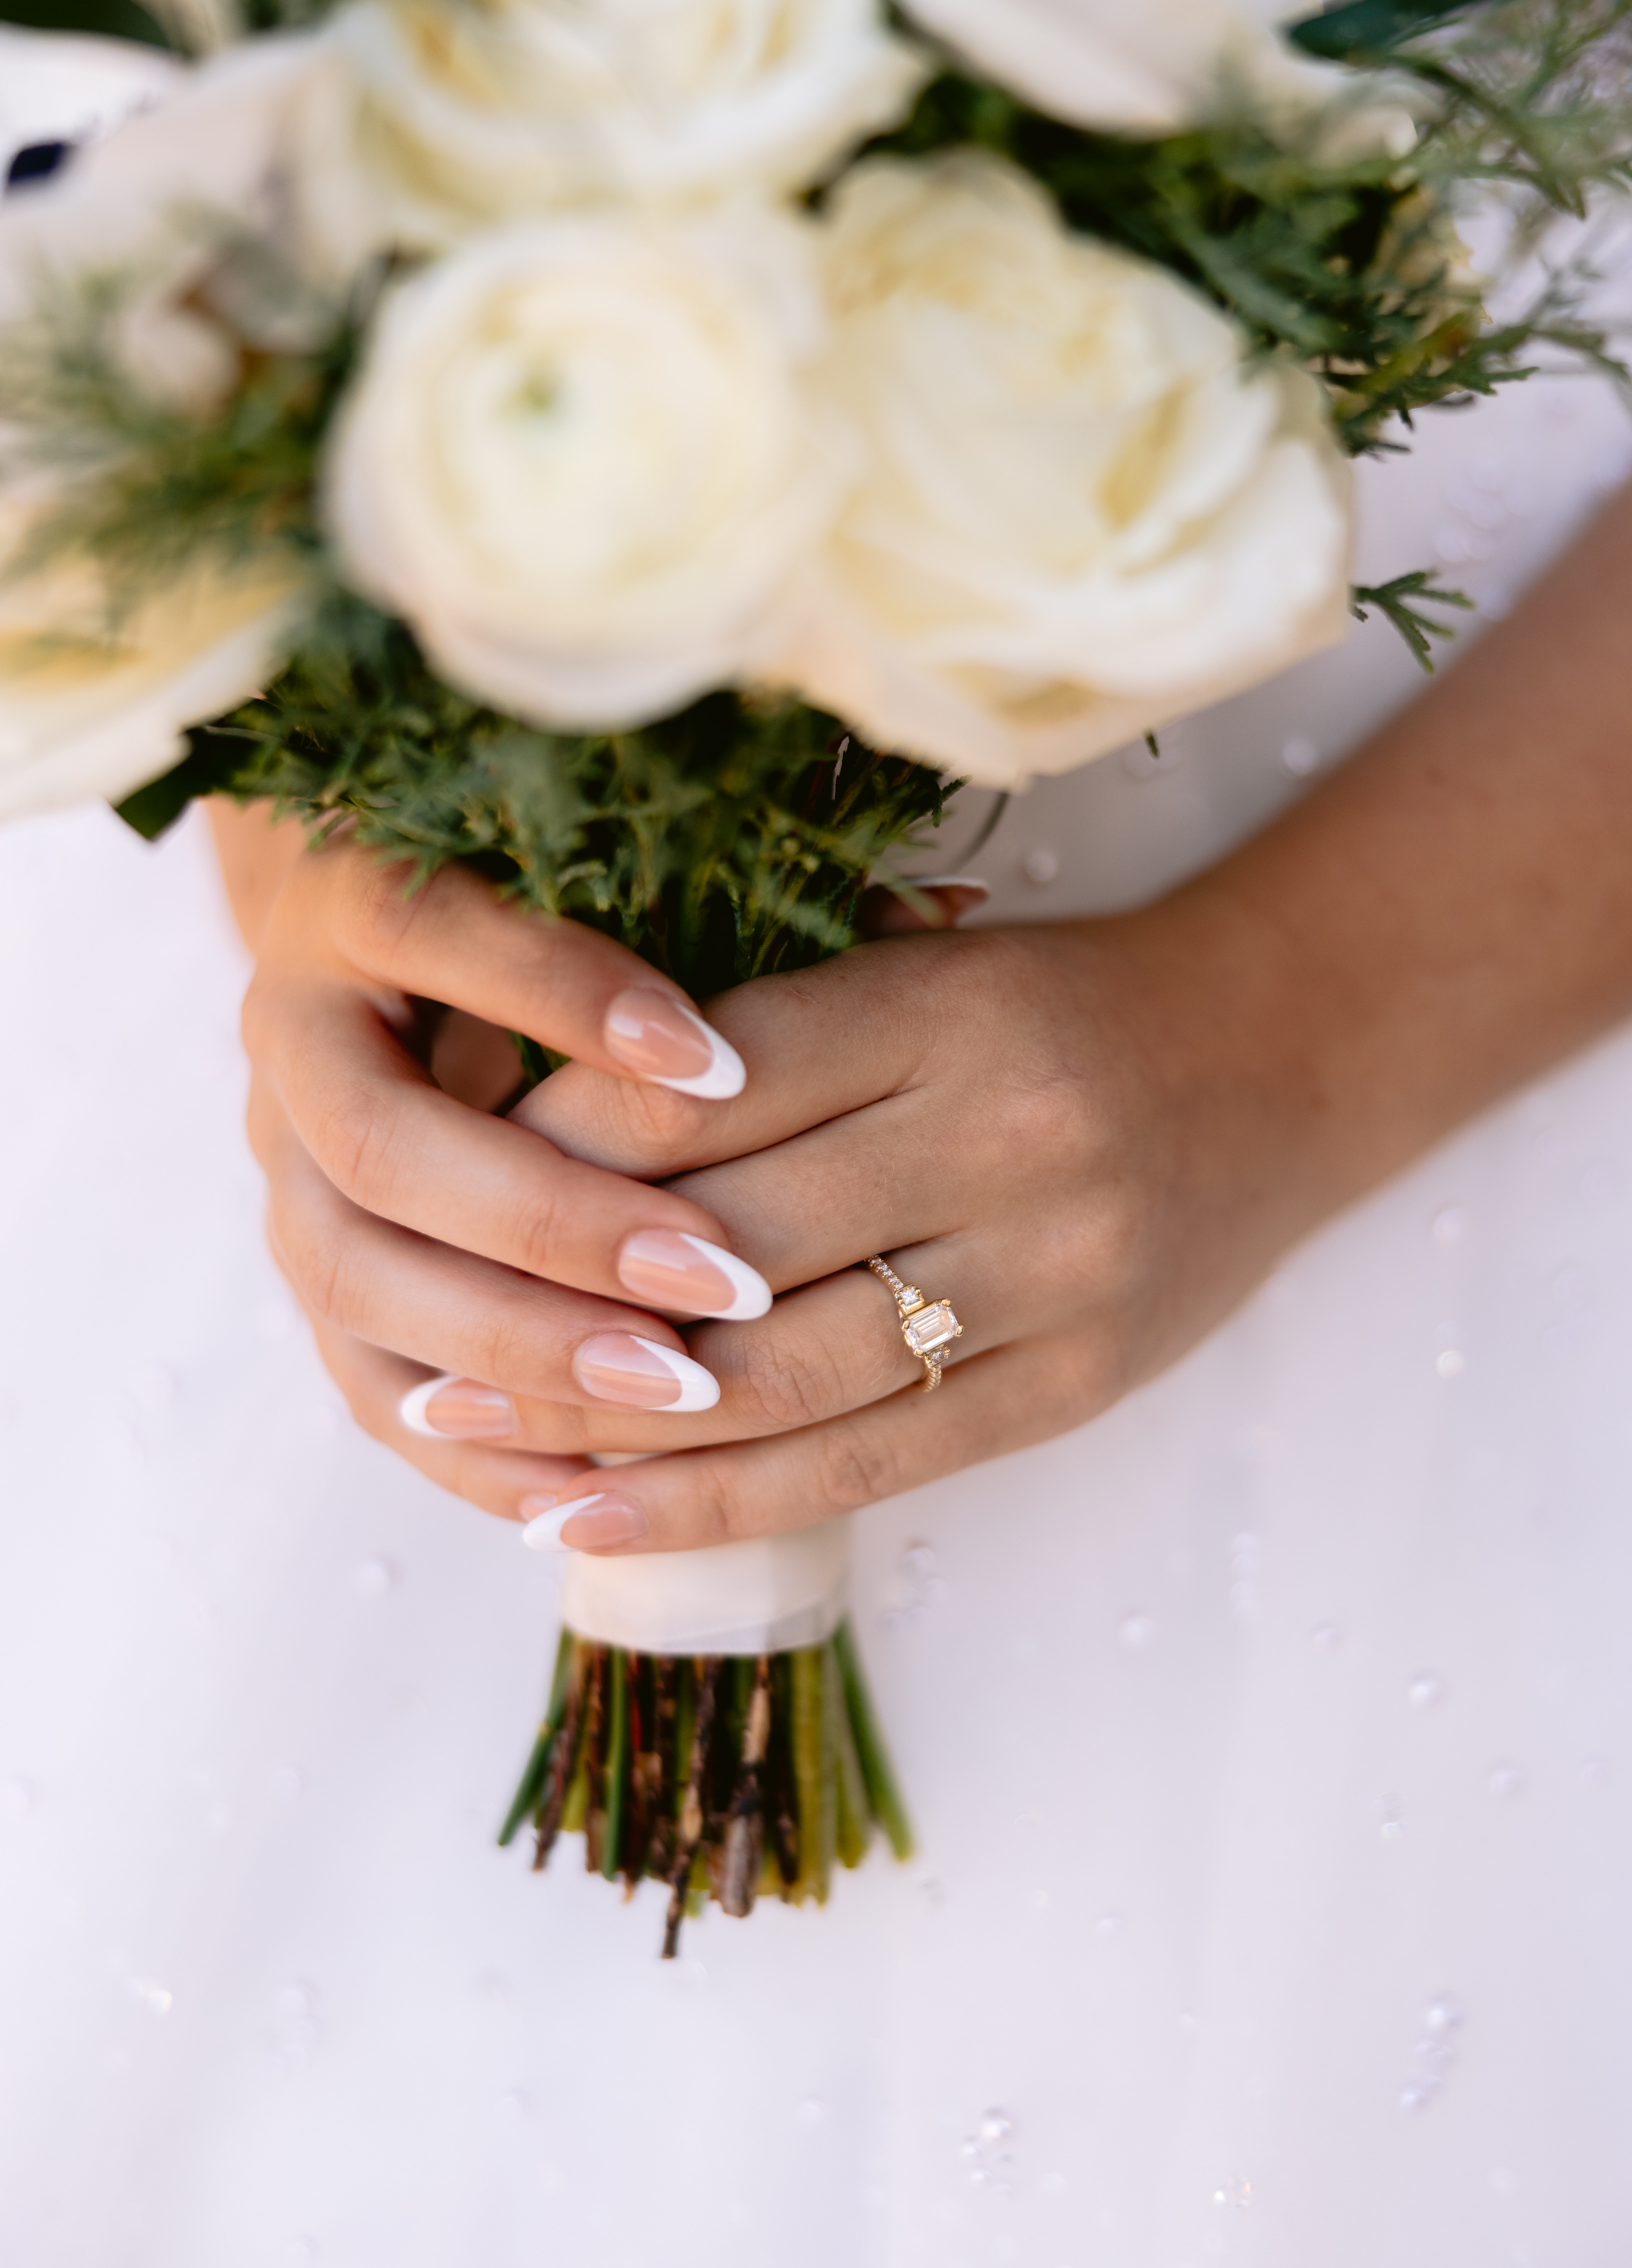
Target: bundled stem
724, 1777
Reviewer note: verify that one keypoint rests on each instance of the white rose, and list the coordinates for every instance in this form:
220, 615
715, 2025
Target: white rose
578, 460
1134, 66
1085, 509
505, 109
95, 694
94, 702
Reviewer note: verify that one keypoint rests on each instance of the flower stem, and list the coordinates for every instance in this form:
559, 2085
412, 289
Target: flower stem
617, 1761
884, 1797
707, 1681
538, 1763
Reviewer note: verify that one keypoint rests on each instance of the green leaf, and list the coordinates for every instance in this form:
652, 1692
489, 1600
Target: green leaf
212, 760
109, 19
1371, 27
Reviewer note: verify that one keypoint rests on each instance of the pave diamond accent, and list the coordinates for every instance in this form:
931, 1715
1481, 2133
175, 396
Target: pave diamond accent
934, 1327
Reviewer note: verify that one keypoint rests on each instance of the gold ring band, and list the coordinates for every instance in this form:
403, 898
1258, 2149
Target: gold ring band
927, 1326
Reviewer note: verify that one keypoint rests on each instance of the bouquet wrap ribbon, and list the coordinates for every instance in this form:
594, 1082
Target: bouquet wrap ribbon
767, 1595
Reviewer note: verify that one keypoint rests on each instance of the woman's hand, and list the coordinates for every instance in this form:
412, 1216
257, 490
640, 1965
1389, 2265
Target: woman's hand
424, 1236
1094, 1139
1083, 1137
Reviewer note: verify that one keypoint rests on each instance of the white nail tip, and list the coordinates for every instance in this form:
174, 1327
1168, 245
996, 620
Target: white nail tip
699, 1389
753, 1292
411, 1409
724, 1077
544, 1533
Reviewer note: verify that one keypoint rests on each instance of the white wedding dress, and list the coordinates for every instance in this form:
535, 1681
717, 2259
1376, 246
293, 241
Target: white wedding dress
1270, 1740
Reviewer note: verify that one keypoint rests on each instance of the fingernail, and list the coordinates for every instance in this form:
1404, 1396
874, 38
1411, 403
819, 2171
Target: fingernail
639, 1374
454, 1409
661, 1038
595, 1520
669, 1269
975, 882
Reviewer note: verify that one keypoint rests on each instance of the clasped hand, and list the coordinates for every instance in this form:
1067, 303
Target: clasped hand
1022, 1119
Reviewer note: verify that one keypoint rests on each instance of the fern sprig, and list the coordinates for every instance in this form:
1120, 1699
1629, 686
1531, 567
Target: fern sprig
1404, 601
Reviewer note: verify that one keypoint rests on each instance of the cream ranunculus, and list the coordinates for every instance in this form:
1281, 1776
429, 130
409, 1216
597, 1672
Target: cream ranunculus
94, 700
504, 109
1134, 66
95, 692
1085, 509
580, 462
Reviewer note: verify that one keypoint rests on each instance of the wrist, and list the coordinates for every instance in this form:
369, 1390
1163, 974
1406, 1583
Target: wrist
1246, 1052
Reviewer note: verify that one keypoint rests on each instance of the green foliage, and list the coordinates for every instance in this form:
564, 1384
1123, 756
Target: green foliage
147, 483
1368, 30
725, 842
1403, 600
109, 19
1346, 260
1535, 95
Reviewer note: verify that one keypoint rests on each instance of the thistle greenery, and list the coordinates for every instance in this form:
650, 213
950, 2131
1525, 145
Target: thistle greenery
727, 841
147, 482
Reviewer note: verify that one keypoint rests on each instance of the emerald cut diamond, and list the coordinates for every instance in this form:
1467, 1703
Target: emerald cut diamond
930, 1328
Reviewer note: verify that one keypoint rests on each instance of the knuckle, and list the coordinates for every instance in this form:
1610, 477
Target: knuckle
715, 1514
776, 1390
543, 1231
504, 1349
376, 907
255, 1018
314, 1265
655, 1123
615, 1122
353, 1139
855, 1466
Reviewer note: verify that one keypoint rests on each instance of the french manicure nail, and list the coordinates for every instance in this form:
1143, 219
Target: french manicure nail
596, 1521
660, 1037
638, 1373
454, 1409
669, 1269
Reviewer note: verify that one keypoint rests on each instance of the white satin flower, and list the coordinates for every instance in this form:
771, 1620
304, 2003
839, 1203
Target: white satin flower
506, 109
1139, 67
97, 689
578, 460
94, 700
1084, 510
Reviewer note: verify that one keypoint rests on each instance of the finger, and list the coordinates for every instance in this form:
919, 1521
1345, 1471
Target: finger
452, 939
1005, 1400
823, 1041
822, 1350
919, 901
375, 1384
452, 1311
825, 1349
389, 1139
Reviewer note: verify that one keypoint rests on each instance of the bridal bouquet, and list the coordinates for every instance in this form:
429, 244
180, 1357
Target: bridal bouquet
654, 450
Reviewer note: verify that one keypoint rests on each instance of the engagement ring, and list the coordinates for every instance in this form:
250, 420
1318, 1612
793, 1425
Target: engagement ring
927, 1326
